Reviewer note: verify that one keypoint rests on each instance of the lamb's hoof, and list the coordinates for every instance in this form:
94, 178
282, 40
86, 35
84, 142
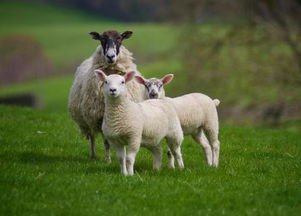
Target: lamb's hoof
171, 166
210, 164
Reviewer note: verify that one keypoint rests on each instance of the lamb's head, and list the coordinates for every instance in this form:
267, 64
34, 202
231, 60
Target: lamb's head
154, 86
114, 85
111, 42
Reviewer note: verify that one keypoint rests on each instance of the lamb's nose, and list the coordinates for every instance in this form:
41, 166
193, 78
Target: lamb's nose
112, 90
153, 95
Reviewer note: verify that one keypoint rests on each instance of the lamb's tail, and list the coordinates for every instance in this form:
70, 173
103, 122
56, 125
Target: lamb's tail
216, 102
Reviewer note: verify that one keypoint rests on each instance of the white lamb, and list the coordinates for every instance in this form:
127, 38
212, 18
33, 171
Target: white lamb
197, 113
138, 124
86, 101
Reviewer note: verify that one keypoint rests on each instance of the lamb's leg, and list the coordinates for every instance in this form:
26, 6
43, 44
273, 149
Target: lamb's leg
216, 148
131, 156
107, 151
171, 159
201, 139
92, 147
121, 154
212, 134
157, 156
175, 147
178, 156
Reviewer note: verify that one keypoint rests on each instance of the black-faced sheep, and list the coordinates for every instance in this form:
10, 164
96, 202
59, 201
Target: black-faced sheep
86, 101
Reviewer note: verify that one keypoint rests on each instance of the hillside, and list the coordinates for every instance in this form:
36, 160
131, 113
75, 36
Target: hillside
63, 33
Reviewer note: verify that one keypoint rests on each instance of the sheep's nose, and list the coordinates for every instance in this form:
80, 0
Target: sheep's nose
153, 95
111, 56
113, 90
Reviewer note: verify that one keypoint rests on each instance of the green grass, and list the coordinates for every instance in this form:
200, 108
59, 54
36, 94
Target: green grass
44, 162
46, 170
63, 33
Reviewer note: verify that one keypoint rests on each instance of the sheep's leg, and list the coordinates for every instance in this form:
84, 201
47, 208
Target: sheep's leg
107, 151
157, 156
201, 139
212, 134
131, 156
178, 155
216, 149
92, 147
171, 159
121, 154
175, 147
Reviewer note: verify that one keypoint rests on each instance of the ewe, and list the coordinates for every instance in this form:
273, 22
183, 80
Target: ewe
197, 113
138, 124
86, 102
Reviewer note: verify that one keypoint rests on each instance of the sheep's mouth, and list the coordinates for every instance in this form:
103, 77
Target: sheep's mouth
113, 94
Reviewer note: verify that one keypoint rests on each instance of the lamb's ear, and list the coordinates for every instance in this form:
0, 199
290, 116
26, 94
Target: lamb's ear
101, 75
140, 79
167, 78
95, 35
129, 76
126, 34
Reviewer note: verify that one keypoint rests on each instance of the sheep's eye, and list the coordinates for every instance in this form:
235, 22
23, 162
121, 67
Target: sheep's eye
106, 82
122, 82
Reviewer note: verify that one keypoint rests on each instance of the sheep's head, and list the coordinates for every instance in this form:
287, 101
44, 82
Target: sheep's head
111, 42
154, 86
114, 85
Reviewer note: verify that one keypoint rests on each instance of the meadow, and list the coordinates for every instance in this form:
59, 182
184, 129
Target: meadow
45, 167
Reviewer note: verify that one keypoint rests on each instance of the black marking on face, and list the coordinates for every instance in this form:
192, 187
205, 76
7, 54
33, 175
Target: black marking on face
111, 40
153, 87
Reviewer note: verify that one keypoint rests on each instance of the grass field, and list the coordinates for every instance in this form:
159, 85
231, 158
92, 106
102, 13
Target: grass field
45, 170
63, 33
44, 162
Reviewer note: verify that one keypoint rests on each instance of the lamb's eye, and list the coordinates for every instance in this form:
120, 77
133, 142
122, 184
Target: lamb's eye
106, 82
122, 82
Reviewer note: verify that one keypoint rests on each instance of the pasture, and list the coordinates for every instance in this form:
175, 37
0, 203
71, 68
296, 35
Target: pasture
45, 167
46, 170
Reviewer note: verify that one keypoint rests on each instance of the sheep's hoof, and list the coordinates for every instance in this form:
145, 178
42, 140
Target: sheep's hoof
108, 160
94, 157
171, 165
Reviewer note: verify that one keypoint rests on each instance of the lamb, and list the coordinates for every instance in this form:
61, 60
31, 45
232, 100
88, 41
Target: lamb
197, 113
86, 102
138, 124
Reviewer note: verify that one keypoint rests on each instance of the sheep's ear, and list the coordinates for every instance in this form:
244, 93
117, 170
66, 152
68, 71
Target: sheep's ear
167, 78
126, 34
129, 76
95, 35
101, 75
140, 80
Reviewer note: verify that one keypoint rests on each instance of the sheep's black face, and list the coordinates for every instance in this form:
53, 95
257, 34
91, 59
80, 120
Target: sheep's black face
111, 42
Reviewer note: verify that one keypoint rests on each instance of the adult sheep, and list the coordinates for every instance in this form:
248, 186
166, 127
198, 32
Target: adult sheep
86, 101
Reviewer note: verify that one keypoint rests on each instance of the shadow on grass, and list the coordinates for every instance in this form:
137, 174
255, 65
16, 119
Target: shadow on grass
83, 164
33, 157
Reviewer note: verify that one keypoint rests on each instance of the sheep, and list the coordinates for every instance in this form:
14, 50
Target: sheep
138, 124
197, 113
86, 102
